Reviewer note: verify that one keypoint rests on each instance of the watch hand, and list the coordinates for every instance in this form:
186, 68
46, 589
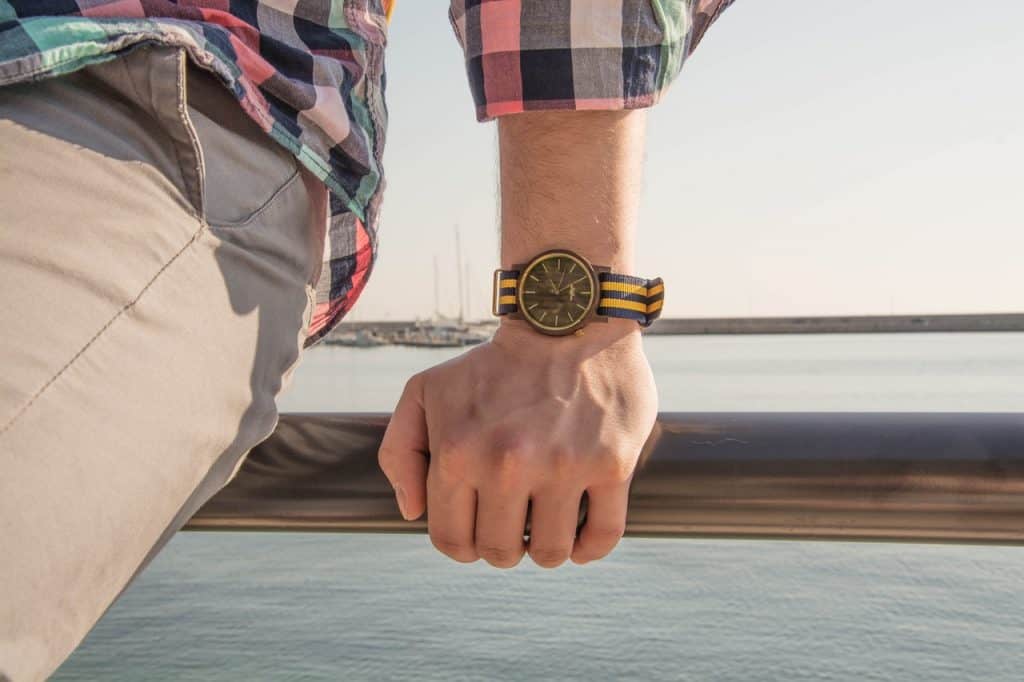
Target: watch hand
574, 283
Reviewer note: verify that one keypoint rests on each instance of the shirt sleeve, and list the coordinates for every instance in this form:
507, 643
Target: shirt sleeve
530, 55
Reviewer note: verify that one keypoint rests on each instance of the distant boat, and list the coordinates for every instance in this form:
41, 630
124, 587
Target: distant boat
364, 338
440, 334
437, 332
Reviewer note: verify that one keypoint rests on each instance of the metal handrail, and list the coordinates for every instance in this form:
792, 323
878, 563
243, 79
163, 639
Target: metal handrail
908, 477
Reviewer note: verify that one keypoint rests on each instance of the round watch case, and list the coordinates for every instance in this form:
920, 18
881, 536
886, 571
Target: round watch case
529, 299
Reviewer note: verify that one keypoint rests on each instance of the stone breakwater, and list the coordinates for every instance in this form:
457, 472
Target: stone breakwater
845, 324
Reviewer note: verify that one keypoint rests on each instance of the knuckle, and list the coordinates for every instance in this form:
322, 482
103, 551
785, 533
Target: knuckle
549, 557
506, 466
615, 467
562, 462
451, 442
387, 458
454, 458
507, 461
460, 551
604, 537
499, 556
506, 440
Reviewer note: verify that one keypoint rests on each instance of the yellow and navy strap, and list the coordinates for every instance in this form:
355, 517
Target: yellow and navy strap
633, 298
505, 301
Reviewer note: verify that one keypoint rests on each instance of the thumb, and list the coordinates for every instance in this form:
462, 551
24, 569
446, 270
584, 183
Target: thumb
403, 452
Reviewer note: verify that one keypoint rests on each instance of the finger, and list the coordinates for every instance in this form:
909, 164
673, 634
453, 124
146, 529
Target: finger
605, 523
403, 452
451, 517
500, 521
554, 515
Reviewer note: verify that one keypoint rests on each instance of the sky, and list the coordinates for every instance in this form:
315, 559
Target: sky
812, 158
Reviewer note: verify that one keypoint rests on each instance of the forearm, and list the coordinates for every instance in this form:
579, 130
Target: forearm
529, 423
571, 180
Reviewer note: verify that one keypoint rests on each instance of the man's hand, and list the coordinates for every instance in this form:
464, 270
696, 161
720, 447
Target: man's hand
524, 421
533, 421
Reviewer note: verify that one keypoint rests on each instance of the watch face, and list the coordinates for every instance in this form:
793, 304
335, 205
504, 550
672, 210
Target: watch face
557, 292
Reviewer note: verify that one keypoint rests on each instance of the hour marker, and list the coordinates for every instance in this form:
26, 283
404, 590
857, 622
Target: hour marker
534, 278
581, 307
531, 306
556, 319
529, 291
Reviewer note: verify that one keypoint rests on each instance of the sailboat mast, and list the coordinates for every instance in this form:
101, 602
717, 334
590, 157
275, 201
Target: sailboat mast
469, 288
437, 292
458, 271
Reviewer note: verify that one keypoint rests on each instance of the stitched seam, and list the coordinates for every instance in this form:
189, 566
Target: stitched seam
187, 190
106, 50
148, 103
120, 313
186, 121
307, 319
257, 212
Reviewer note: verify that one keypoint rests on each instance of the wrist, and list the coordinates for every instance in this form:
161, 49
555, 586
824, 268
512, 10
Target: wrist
600, 247
596, 336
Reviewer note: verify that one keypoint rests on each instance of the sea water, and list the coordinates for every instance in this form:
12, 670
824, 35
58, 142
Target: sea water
233, 606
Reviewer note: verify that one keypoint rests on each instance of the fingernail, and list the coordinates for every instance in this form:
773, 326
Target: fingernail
400, 496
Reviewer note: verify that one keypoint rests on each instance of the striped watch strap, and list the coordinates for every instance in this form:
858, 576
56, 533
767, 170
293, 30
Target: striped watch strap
505, 302
633, 298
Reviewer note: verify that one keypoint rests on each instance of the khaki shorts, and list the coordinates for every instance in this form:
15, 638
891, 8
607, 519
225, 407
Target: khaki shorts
156, 256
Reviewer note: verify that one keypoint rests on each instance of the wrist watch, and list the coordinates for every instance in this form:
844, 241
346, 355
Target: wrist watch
559, 292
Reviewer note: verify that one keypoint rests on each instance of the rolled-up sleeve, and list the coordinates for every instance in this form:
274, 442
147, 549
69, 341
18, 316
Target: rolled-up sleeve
530, 55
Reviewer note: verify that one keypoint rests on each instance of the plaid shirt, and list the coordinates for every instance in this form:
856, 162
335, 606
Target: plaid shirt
311, 74
527, 55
